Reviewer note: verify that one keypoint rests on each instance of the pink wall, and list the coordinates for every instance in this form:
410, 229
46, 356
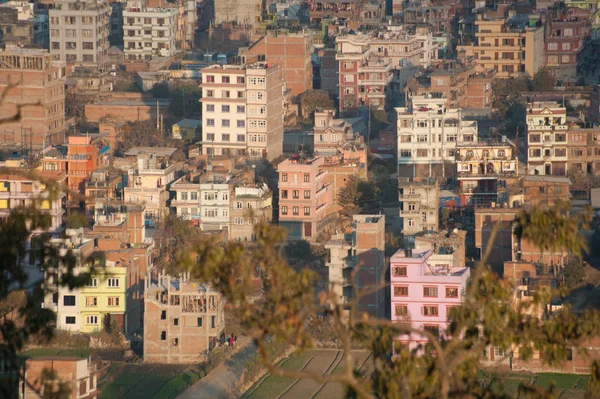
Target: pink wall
419, 275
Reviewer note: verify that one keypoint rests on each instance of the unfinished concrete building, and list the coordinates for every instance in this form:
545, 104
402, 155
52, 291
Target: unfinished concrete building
183, 320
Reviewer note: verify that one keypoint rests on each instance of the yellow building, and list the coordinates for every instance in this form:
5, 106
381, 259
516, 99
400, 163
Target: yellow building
102, 300
511, 51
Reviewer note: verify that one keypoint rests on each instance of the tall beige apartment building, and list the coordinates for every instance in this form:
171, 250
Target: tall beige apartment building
79, 31
242, 110
511, 51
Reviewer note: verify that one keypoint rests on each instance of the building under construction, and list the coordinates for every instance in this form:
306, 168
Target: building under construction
183, 320
35, 99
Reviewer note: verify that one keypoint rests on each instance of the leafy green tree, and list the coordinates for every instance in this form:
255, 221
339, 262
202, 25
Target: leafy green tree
313, 99
299, 250
574, 271
543, 80
161, 90
356, 196
445, 367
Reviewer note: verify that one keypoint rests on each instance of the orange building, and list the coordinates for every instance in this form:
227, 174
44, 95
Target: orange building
83, 156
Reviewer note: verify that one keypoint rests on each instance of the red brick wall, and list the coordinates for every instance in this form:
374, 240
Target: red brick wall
130, 113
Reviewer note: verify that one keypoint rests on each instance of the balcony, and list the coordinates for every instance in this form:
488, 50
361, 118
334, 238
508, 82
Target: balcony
409, 213
409, 197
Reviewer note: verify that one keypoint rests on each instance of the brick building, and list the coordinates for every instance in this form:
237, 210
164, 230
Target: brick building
531, 191
126, 110
583, 150
304, 197
364, 245
461, 85
564, 43
183, 320
38, 85
80, 375
292, 52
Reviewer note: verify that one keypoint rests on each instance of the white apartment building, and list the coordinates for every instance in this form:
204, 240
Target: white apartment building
419, 205
149, 185
148, 32
242, 110
428, 133
79, 31
547, 149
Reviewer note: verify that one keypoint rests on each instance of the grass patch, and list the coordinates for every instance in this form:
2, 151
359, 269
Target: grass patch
177, 385
296, 361
82, 353
39, 352
562, 381
271, 387
583, 381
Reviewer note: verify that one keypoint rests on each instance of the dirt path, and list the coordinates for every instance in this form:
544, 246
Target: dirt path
221, 383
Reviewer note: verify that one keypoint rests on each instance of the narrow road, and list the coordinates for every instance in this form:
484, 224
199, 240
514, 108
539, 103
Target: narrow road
221, 383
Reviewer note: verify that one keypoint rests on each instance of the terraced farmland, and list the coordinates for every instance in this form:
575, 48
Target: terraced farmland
324, 361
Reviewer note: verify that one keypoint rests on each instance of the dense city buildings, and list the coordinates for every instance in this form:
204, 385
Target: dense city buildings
511, 51
79, 31
240, 12
35, 91
357, 260
428, 133
184, 320
242, 110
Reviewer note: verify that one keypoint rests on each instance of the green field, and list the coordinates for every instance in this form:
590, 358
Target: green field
133, 380
41, 352
323, 361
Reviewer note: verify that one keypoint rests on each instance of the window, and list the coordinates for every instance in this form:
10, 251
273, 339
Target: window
87, 45
210, 93
296, 194
241, 80
306, 178
210, 108
71, 45
430, 292
113, 301
163, 315
213, 320
88, 58
225, 137
91, 301
175, 342
295, 210
566, 46
411, 223
284, 210
224, 79
552, 46
401, 310
93, 282
54, 32
433, 329
241, 138
225, 123
451, 292
241, 123
91, 320
430, 311
55, 46
241, 109
240, 94
225, 93
194, 196
210, 122
400, 290
284, 177
70, 320
199, 322
422, 138
163, 335
87, 20
284, 194
210, 137
422, 153
238, 221
348, 90
399, 271
224, 108
306, 211
69, 300
175, 321
566, 59
306, 194
348, 78
113, 282
184, 196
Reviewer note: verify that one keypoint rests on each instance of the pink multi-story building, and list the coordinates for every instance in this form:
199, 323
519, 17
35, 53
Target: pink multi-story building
305, 197
425, 285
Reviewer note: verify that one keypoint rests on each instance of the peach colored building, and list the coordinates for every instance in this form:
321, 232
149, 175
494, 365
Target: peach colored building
304, 197
81, 375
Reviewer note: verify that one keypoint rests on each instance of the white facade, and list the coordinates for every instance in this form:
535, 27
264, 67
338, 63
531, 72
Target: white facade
148, 32
79, 31
242, 111
214, 206
428, 132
